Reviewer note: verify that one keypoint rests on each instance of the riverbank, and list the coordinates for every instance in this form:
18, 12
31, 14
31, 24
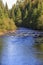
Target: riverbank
6, 32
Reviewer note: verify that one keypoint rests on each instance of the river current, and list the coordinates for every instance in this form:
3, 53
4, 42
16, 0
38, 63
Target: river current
24, 47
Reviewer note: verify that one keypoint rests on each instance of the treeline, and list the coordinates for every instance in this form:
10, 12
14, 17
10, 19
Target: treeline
6, 24
25, 13
28, 13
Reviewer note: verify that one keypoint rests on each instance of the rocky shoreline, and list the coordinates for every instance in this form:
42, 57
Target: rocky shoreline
3, 33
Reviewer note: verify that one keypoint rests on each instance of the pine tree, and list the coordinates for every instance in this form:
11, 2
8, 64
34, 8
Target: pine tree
6, 10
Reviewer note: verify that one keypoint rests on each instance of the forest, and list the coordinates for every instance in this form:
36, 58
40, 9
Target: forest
25, 13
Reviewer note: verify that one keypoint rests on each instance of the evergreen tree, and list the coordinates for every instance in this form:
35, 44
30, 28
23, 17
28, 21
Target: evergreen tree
6, 11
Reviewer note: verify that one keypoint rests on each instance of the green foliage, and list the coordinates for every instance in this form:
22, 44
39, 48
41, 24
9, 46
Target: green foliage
28, 13
18, 16
40, 23
6, 24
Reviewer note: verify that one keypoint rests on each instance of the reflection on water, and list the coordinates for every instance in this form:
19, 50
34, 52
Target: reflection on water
21, 50
39, 48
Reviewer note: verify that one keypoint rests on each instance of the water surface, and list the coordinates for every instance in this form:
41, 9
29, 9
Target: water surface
21, 48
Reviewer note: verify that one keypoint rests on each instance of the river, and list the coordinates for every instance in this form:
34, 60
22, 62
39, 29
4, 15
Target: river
23, 47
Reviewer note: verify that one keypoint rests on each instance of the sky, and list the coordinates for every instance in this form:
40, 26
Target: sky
9, 2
